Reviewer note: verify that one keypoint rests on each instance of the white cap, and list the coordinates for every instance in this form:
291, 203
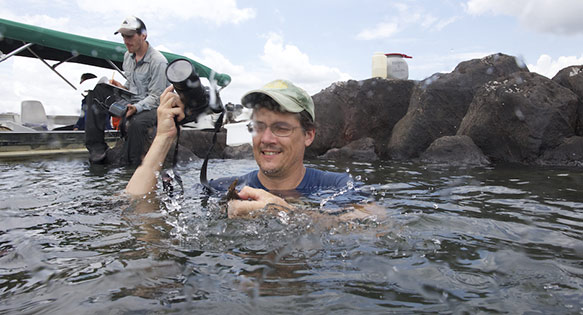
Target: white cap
131, 25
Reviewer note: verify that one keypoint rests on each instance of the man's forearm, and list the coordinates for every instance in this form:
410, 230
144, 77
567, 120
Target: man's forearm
145, 177
148, 103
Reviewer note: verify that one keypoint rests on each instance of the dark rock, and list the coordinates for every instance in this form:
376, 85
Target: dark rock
572, 78
518, 117
439, 103
352, 110
362, 150
240, 152
454, 150
199, 142
184, 155
568, 153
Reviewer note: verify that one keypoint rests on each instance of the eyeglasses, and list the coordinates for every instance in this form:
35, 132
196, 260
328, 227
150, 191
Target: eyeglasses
279, 129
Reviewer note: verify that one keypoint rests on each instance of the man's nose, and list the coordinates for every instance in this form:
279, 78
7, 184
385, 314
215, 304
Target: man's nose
268, 136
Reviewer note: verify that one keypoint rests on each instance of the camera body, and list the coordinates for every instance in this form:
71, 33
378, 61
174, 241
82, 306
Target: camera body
197, 99
119, 108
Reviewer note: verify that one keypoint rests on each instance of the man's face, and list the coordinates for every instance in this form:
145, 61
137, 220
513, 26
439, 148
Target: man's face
133, 41
279, 156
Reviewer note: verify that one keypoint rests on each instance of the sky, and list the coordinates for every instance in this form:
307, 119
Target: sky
311, 43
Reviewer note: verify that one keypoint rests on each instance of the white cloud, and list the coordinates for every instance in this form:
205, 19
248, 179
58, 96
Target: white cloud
381, 30
218, 12
285, 61
279, 61
434, 63
545, 65
242, 79
549, 16
440, 24
407, 17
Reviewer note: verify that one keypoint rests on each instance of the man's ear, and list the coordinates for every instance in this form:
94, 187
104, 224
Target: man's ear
310, 135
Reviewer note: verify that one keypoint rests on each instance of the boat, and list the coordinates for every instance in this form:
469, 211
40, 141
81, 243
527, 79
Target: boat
32, 132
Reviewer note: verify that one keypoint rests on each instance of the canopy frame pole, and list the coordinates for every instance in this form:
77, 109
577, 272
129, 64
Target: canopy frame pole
16, 51
116, 68
53, 69
61, 62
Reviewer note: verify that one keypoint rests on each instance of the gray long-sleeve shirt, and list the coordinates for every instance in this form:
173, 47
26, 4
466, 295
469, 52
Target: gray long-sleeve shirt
146, 79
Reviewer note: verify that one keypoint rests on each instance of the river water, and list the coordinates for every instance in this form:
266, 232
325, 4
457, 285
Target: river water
505, 239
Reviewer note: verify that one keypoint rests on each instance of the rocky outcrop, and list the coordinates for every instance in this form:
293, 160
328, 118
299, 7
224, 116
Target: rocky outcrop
572, 78
352, 110
517, 118
439, 103
240, 152
568, 153
200, 141
487, 110
361, 150
456, 151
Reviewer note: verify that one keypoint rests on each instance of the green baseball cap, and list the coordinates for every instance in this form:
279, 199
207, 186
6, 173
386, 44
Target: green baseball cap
292, 98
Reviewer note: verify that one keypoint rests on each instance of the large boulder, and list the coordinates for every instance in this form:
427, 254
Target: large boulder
456, 151
572, 78
352, 110
362, 150
517, 118
200, 142
568, 153
239, 152
439, 103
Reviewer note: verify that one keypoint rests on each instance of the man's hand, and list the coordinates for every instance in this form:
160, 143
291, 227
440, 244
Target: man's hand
253, 199
116, 83
131, 110
170, 107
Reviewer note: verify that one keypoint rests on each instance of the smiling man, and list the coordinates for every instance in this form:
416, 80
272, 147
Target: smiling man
282, 125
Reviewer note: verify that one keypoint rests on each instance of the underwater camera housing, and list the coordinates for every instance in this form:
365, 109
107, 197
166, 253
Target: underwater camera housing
197, 99
119, 108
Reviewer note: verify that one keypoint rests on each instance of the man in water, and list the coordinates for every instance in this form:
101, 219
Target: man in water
282, 126
145, 69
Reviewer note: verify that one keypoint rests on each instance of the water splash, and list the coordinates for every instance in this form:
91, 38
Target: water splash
170, 200
349, 187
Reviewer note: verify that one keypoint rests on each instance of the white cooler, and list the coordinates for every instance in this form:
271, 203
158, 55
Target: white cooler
237, 133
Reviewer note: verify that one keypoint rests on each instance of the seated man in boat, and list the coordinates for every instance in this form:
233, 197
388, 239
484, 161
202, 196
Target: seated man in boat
282, 126
145, 68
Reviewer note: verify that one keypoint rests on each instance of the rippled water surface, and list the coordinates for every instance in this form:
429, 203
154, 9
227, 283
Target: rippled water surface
486, 240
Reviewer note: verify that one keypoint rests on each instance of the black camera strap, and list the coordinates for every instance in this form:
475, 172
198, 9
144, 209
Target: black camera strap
203, 179
203, 170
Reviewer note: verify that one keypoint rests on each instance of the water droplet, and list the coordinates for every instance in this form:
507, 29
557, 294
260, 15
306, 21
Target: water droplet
519, 114
520, 62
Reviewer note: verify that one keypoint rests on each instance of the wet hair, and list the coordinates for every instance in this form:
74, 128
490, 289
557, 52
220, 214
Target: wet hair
264, 101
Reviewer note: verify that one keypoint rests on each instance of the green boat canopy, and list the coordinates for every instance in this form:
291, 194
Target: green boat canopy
46, 44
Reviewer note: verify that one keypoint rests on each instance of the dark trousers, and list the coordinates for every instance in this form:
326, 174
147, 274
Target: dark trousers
137, 131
